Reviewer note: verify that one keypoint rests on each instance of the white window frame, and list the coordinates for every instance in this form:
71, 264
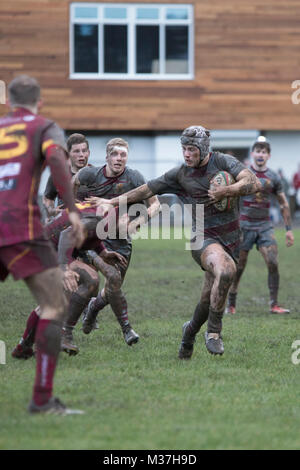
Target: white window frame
131, 21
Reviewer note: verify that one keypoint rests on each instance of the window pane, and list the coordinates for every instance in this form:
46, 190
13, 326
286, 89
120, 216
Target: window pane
115, 47
85, 48
177, 14
147, 49
147, 13
176, 49
115, 13
86, 12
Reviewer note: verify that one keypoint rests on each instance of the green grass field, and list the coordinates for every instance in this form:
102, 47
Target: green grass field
144, 397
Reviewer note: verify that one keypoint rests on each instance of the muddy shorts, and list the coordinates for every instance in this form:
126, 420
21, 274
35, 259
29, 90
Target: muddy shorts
233, 251
258, 238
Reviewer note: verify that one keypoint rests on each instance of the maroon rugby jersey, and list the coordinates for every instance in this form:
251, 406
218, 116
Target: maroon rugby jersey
99, 184
24, 140
191, 185
255, 208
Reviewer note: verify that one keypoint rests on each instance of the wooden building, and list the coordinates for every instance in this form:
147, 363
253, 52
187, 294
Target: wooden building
134, 67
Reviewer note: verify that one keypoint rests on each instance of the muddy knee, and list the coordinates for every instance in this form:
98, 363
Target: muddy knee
94, 285
114, 279
226, 277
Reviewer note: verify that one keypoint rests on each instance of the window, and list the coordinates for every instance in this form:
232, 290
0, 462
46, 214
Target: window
131, 41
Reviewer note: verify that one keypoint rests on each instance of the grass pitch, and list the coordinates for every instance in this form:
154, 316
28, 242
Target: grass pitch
143, 397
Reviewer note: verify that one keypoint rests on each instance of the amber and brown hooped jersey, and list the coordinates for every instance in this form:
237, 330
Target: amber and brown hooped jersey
24, 139
191, 185
255, 208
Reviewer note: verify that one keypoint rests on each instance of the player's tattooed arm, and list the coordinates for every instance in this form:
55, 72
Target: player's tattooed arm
135, 195
284, 208
246, 183
286, 215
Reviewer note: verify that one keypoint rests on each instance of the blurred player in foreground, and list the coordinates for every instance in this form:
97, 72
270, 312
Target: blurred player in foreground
27, 142
257, 227
217, 254
81, 279
79, 152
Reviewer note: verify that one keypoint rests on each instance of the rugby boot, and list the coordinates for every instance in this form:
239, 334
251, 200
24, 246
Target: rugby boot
214, 343
67, 342
54, 406
22, 350
230, 309
278, 310
130, 336
187, 343
89, 318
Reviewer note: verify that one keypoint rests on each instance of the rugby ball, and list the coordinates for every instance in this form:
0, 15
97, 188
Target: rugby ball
223, 178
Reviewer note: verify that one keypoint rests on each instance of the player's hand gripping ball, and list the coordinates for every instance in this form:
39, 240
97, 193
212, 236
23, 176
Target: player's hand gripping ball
223, 178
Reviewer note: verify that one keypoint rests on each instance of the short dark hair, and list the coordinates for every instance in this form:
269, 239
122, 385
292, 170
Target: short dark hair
24, 90
76, 139
261, 146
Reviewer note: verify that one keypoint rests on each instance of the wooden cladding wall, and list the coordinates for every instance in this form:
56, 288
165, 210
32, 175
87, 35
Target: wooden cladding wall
247, 54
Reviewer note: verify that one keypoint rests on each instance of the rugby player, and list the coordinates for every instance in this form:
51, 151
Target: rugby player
257, 227
217, 255
81, 286
79, 152
110, 180
28, 141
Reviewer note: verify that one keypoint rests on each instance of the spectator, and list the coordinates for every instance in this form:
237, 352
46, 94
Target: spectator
296, 182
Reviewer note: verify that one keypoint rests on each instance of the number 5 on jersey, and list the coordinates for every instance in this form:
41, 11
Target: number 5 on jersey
13, 135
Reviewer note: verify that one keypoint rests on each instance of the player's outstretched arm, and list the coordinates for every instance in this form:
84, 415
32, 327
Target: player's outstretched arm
135, 195
286, 215
153, 208
246, 183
